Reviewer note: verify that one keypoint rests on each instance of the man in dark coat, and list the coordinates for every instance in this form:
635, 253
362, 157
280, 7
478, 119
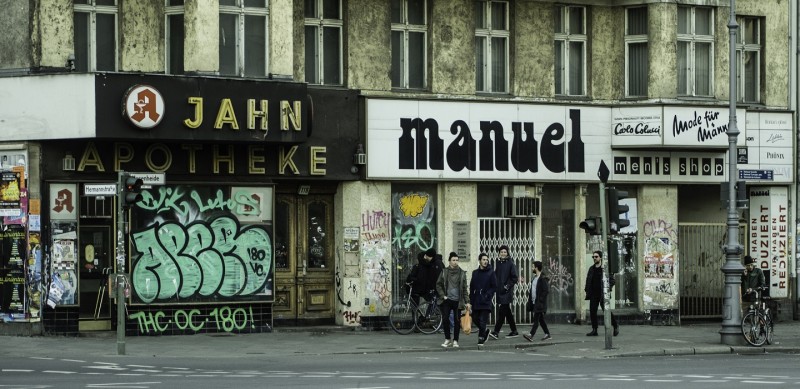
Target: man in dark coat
424, 274
538, 302
507, 277
594, 292
752, 279
481, 292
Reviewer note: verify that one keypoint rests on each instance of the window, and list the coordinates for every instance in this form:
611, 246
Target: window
95, 35
695, 51
636, 52
748, 56
243, 37
570, 50
491, 46
409, 43
174, 35
323, 41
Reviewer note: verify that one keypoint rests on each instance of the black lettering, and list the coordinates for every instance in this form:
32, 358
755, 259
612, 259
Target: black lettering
408, 148
552, 149
500, 153
524, 153
575, 146
461, 151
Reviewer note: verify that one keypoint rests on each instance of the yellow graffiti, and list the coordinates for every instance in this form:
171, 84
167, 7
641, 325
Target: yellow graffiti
412, 205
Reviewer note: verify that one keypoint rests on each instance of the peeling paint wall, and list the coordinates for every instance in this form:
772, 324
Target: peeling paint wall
657, 207
141, 36
662, 35
280, 37
460, 203
606, 79
532, 73
55, 36
201, 47
776, 66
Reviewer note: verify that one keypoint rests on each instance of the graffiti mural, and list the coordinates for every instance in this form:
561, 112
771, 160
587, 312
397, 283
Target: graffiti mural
189, 245
197, 320
375, 257
413, 226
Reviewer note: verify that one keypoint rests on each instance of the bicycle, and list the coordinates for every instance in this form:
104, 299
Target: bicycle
757, 324
406, 315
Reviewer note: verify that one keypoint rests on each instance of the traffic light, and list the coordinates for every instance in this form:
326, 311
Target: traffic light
592, 225
616, 211
131, 190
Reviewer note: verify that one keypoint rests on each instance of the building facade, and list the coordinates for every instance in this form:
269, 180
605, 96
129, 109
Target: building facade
299, 155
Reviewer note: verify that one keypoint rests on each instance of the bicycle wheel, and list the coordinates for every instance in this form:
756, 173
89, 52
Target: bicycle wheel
401, 318
753, 329
429, 318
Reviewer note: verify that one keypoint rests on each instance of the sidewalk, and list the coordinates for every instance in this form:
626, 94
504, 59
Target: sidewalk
568, 341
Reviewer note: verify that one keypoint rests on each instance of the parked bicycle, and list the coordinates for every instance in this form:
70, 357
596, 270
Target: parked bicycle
757, 324
405, 315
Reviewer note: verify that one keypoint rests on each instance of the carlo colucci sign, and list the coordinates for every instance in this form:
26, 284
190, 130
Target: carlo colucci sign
417, 139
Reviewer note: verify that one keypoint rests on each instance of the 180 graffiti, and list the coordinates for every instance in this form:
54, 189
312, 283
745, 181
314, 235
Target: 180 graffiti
221, 319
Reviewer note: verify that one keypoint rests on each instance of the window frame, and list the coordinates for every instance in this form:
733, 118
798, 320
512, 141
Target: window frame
241, 11
636, 39
169, 11
91, 45
693, 39
566, 37
321, 23
742, 48
488, 34
407, 29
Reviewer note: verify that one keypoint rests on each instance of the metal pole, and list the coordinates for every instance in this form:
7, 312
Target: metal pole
604, 262
730, 332
119, 278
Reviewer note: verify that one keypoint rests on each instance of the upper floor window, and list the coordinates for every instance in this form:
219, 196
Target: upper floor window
323, 28
409, 43
491, 46
570, 50
243, 37
748, 56
695, 51
174, 33
95, 35
636, 52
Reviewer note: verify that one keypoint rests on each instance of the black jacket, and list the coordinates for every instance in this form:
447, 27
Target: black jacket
423, 275
542, 290
482, 288
594, 283
507, 277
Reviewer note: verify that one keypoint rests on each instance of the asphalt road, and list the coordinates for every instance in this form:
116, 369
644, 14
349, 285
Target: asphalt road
460, 369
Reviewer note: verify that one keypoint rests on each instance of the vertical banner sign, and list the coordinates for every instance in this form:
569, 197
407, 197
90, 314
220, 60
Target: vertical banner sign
768, 236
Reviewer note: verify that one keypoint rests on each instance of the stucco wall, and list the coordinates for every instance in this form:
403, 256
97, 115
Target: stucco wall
533, 57
368, 61
15, 42
606, 79
55, 36
452, 58
775, 47
141, 36
459, 202
201, 46
281, 44
662, 36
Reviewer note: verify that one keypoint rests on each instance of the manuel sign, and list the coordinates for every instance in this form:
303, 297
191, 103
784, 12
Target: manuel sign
484, 141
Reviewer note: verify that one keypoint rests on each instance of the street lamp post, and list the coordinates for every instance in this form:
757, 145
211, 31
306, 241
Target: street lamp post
730, 333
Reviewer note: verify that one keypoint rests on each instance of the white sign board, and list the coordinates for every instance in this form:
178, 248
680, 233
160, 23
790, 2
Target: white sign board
100, 189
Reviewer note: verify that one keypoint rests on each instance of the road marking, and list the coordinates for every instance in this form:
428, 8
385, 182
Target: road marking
395, 376
655, 380
528, 378
616, 379
58, 372
439, 378
73, 360
355, 376
710, 381
674, 340
762, 382
17, 370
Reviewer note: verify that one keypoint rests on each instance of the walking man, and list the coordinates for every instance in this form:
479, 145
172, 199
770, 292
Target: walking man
452, 286
539, 291
594, 292
507, 277
481, 292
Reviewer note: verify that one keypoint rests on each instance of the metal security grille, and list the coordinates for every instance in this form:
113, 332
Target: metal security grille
518, 235
702, 283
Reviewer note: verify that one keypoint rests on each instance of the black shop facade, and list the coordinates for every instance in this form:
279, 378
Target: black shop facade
234, 230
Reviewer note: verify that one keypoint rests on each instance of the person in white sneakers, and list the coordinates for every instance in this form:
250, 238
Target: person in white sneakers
538, 302
452, 286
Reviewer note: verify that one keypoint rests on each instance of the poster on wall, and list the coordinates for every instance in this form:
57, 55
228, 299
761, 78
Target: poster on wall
660, 269
10, 192
63, 202
13, 262
202, 243
33, 276
63, 264
768, 236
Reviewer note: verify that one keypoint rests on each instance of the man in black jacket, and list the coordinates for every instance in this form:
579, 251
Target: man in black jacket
507, 276
594, 292
424, 274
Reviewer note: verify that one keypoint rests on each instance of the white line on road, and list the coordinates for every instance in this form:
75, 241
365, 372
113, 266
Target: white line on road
438, 378
73, 360
372, 387
122, 384
59, 372
528, 378
355, 376
395, 376
762, 382
655, 380
710, 381
16, 370
616, 379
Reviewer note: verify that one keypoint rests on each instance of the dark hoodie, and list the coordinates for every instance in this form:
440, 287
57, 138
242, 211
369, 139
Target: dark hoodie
507, 277
482, 288
424, 274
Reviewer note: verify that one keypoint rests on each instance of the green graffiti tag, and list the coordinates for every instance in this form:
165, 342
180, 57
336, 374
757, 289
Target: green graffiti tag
224, 319
216, 258
174, 199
